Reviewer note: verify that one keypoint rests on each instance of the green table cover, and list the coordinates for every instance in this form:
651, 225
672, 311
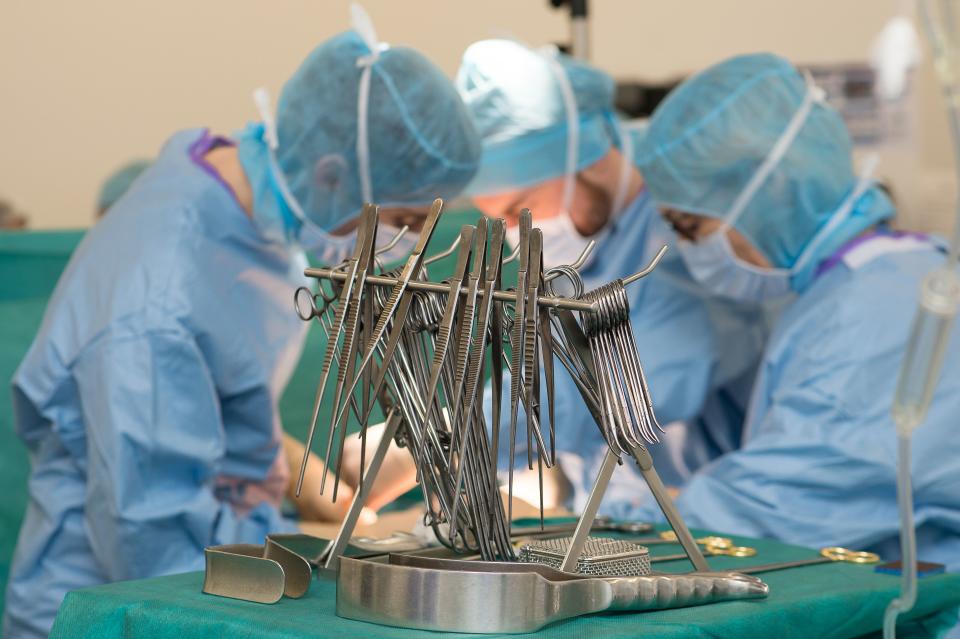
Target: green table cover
829, 600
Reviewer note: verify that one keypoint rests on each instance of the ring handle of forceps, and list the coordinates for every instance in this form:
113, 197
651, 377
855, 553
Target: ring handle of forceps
306, 310
836, 553
716, 545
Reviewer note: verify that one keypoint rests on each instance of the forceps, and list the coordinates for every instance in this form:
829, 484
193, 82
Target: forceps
465, 334
365, 239
827, 555
464, 339
516, 345
396, 308
490, 316
712, 551
446, 326
358, 303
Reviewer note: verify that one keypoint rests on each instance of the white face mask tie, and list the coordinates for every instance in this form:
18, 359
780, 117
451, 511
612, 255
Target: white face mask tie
325, 247
363, 25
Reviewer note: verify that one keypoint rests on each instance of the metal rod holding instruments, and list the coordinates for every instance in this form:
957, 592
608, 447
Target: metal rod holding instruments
438, 287
503, 296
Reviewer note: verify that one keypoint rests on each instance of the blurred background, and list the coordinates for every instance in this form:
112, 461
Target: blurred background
87, 87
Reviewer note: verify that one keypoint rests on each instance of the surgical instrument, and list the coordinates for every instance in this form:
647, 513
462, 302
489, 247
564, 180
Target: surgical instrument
516, 598
516, 346
262, 574
601, 556
356, 305
712, 551
396, 309
827, 555
445, 331
364, 240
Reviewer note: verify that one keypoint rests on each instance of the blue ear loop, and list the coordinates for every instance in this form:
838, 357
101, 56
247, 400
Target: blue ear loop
288, 221
291, 225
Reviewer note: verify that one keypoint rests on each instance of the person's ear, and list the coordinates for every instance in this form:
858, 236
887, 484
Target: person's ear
329, 172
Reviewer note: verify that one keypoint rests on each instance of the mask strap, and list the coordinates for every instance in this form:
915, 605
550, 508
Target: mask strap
363, 25
623, 181
813, 95
864, 182
261, 97
573, 125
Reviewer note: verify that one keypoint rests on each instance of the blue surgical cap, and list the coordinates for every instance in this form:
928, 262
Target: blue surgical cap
119, 181
422, 143
517, 104
712, 133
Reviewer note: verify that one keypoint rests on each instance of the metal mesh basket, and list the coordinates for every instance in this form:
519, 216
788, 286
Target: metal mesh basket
601, 557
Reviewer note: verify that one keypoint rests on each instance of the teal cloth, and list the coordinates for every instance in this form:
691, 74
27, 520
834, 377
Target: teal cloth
828, 600
30, 265
31, 262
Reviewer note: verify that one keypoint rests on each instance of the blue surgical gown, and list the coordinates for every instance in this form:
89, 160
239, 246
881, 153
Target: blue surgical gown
148, 399
818, 467
698, 355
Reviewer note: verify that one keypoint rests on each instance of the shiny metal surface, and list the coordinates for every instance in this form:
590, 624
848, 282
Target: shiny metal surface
496, 597
336, 547
582, 530
255, 573
421, 348
601, 556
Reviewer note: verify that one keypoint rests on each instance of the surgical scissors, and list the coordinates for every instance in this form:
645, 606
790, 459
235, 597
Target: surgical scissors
827, 555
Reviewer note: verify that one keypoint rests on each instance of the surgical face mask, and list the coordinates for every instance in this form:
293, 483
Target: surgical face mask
562, 242
714, 265
711, 260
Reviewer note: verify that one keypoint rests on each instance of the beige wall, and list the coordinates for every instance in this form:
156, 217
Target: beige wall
85, 86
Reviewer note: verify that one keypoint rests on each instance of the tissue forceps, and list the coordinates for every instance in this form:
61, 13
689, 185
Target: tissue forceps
516, 345
357, 301
465, 334
445, 330
396, 308
364, 239
464, 341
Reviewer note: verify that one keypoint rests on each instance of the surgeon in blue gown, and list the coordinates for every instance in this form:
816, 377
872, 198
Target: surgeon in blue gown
552, 143
755, 172
148, 399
